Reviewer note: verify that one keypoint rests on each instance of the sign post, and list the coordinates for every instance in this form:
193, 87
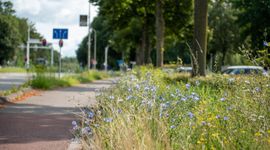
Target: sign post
60, 34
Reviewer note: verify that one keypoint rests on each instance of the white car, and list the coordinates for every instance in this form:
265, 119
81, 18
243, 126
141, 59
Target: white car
184, 69
235, 70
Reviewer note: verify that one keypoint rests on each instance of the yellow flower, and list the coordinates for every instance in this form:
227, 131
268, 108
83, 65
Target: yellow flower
258, 134
215, 134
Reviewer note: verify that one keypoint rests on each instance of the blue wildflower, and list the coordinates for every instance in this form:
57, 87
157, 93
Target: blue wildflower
188, 86
183, 99
226, 118
203, 123
265, 43
217, 116
172, 126
91, 114
257, 89
191, 115
137, 86
129, 97
222, 99
74, 123
108, 120
86, 130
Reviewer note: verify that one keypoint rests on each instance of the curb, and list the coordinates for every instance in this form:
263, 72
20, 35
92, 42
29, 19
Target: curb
74, 146
9, 98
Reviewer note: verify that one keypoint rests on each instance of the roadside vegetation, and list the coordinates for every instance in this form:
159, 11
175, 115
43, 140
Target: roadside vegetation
12, 70
49, 81
150, 109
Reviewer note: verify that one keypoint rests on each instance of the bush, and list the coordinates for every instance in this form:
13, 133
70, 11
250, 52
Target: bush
12, 69
148, 109
45, 82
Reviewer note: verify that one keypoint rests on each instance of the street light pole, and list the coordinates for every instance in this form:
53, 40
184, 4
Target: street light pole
95, 49
28, 49
89, 39
106, 58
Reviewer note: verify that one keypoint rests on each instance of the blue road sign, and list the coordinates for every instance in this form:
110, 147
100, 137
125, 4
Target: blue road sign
60, 33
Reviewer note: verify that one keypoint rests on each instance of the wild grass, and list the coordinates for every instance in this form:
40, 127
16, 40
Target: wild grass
49, 81
12, 70
149, 109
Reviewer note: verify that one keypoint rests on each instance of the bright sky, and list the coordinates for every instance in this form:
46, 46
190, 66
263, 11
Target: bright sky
49, 14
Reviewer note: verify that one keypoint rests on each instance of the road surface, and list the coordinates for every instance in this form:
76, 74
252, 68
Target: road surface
10, 80
44, 121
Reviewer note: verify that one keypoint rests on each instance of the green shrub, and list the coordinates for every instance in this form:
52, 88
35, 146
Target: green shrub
45, 82
11, 69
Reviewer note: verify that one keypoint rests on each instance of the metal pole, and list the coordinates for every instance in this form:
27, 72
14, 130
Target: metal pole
51, 56
60, 65
89, 39
95, 49
28, 49
106, 57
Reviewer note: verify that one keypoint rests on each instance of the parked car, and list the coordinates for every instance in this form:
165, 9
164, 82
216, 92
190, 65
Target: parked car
235, 70
184, 69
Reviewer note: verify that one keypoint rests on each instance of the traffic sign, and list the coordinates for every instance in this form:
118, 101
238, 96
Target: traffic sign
60, 33
61, 43
83, 20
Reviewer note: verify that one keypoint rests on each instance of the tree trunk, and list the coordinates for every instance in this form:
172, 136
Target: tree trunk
147, 58
160, 27
200, 35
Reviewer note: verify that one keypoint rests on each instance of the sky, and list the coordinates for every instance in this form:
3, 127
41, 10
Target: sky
49, 14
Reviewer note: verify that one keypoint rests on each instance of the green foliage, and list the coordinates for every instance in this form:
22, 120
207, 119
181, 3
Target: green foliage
224, 31
45, 80
9, 37
149, 109
253, 20
11, 69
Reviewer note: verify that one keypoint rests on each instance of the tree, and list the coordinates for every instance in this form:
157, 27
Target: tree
200, 37
133, 29
160, 29
9, 38
6, 8
224, 31
253, 18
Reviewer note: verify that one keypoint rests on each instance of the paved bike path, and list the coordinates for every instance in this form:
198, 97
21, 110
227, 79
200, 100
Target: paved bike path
43, 122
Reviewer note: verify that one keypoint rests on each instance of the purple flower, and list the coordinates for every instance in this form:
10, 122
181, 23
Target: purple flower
222, 99
188, 86
108, 120
183, 99
74, 123
226, 118
86, 130
191, 115
217, 116
91, 114
129, 97
257, 89
203, 123
172, 126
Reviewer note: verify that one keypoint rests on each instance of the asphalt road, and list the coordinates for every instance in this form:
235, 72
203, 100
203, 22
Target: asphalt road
43, 122
10, 80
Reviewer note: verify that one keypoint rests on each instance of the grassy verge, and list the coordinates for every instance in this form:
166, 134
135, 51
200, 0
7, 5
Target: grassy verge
149, 109
12, 70
42, 81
